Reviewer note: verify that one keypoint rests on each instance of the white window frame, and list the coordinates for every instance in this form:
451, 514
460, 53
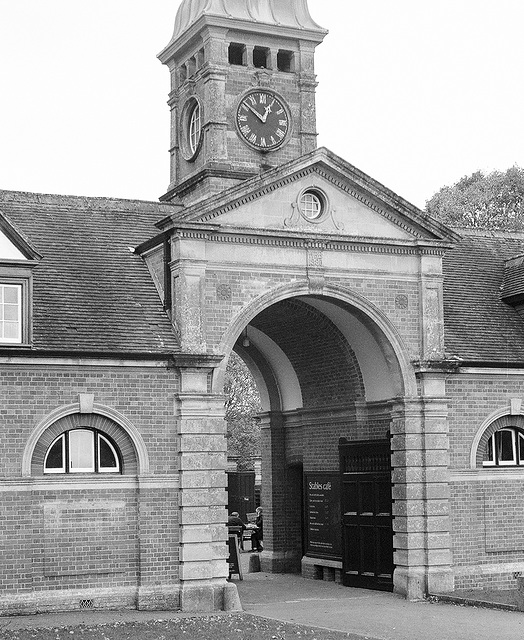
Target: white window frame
19, 290
311, 205
61, 469
195, 127
91, 468
513, 462
495, 461
102, 469
67, 454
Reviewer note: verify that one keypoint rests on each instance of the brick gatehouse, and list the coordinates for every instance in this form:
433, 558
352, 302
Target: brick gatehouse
388, 350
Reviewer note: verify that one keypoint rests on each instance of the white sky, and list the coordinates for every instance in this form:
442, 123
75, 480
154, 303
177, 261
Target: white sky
416, 93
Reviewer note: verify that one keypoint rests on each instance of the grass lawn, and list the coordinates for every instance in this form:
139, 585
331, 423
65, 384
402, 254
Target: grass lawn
214, 627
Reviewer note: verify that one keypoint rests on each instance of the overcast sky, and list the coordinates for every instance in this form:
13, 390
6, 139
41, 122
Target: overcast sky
416, 93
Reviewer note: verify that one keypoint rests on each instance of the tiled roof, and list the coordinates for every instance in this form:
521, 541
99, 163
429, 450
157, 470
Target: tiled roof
91, 292
479, 326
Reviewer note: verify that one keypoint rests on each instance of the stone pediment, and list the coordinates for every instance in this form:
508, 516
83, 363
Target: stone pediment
354, 205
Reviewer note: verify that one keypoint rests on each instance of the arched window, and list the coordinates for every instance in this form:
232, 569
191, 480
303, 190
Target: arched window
504, 448
82, 451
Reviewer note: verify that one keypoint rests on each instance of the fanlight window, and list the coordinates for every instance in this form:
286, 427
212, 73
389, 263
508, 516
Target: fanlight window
505, 448
82, 451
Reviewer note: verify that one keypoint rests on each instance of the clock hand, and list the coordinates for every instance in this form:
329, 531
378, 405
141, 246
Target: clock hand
258, 115
268, 111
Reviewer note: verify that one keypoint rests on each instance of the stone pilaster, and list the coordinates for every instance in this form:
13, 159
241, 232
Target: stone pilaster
308, 86
420, 460
202, 454
188, 273
432, 308
215, 111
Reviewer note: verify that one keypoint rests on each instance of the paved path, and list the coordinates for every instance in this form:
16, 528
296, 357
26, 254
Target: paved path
372, 614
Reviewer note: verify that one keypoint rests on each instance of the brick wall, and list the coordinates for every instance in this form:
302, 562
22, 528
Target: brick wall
325, 365
486, 505
110, 539
244, 286
145, 397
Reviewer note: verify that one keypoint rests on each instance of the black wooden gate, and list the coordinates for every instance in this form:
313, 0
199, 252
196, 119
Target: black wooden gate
241, 492
367, 523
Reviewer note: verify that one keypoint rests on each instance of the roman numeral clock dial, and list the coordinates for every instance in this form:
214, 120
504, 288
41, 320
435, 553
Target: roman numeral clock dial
263, 120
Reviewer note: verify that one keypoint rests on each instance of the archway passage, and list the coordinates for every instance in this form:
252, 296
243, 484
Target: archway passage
325, 372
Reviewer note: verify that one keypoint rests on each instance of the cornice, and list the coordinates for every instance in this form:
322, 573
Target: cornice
487, 474
390, 214
86, 482
187, 185
224, 24
296, 239
36, 358
197, 361
513, 369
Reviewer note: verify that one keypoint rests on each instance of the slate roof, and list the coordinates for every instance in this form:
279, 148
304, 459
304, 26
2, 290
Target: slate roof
479, 326
91, 292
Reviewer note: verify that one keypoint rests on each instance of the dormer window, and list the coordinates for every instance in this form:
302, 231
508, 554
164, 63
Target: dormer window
10, 313
17, 260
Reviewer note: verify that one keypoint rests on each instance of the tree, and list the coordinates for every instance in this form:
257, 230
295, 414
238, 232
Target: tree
242, 406
492, 201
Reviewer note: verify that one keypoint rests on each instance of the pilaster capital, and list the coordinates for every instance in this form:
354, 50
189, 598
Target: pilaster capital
197, 361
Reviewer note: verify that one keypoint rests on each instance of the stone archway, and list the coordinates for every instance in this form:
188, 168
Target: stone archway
303, 353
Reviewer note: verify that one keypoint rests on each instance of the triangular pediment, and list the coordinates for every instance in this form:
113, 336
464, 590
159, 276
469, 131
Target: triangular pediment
287, 199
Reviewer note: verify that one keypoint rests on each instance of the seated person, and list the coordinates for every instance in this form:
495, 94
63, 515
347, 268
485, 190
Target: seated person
258, 532
235, 522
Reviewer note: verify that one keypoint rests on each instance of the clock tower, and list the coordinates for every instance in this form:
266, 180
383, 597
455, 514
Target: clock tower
242, 91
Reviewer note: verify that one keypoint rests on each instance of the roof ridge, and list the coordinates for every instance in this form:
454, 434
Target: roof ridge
488, 233
101, 203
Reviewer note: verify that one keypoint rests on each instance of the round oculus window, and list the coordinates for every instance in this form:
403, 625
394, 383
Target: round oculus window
312, 204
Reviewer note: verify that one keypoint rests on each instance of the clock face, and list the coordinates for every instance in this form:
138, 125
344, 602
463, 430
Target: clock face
263, 120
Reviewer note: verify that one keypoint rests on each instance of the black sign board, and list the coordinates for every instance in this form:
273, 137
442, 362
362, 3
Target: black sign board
234, 556
323, 515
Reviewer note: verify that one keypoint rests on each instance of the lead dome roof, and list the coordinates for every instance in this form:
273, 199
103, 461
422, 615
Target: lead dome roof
282, 13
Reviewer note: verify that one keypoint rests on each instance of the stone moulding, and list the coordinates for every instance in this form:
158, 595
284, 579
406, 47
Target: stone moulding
302, 287
292, 14
108, 412
511, 411
294, 239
